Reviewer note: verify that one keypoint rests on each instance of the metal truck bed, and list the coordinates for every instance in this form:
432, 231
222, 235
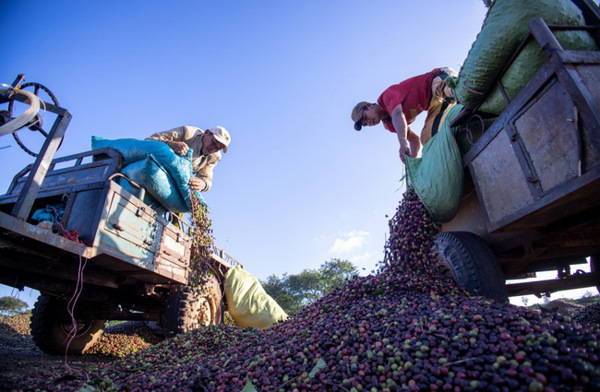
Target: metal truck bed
123, 239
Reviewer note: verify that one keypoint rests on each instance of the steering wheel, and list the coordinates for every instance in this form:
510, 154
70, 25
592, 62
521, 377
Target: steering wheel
36, 125
10, 124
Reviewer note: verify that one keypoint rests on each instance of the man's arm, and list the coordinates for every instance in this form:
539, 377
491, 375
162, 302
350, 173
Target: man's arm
402, 131
174, 138
410, 143
415, 144
203, 180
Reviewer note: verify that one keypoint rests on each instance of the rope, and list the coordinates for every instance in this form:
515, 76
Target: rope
469, 89
26, 117
71, 306
72, 235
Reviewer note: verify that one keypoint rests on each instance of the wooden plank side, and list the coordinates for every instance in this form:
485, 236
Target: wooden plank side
549, 137
550, 127
590, 75
569, 198
500, 181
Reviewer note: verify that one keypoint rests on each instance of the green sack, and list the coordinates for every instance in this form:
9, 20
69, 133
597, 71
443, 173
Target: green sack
505, 26
437, 176
526, 64
248, 303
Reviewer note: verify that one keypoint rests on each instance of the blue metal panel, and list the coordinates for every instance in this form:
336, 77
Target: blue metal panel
127, 231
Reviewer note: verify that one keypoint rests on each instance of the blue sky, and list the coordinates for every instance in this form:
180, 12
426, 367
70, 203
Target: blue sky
298, 186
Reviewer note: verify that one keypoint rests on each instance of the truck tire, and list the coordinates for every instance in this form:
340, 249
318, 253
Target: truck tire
595, 267
191, 307
51, 325
472, 264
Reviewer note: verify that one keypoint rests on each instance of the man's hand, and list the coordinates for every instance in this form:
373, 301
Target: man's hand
179, 147
197, 184
404, 150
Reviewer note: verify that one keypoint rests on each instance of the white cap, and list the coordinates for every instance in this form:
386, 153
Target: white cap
221, 135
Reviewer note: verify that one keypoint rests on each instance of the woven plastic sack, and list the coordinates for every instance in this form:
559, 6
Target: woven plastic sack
248, 303
52, 213
505, 26
437, 176
527, 63
133, 150
149, 174
177, 168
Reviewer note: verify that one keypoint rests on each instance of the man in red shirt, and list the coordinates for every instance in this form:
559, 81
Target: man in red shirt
399, 105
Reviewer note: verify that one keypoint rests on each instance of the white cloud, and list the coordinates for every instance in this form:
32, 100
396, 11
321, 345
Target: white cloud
349, 242
367, 258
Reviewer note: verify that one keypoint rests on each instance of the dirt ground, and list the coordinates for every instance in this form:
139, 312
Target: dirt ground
19, 356
15, 366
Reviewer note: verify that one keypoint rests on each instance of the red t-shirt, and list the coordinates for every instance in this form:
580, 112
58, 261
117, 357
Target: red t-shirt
413, 94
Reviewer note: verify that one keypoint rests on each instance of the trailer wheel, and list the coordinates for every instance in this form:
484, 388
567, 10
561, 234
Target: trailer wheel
595, 267
51, 325
191, 307
472, 264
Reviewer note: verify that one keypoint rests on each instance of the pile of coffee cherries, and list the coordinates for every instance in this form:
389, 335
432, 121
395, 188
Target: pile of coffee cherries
405, 327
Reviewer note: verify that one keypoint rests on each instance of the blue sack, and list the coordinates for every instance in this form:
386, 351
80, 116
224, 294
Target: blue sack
157, 182
52, 213
156, 167
133, 150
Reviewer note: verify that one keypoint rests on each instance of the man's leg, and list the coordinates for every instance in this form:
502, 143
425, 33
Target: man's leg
442, 100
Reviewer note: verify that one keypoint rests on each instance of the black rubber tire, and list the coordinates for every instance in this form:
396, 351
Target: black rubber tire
191, 307
51, 324
472, 264
595, 267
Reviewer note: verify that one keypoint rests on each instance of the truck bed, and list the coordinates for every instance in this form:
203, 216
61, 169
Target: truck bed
532, 189
119, 238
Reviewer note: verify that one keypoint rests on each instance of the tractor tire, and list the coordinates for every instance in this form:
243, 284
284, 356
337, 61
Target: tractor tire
191, 307
595, 268
472, 264
51, 325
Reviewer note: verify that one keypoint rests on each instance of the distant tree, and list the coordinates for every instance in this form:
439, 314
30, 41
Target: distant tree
525, 301
277, 288
588, 294
292, 292
335, 272
11, 306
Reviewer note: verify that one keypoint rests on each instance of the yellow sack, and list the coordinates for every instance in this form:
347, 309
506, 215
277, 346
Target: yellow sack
248, 303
